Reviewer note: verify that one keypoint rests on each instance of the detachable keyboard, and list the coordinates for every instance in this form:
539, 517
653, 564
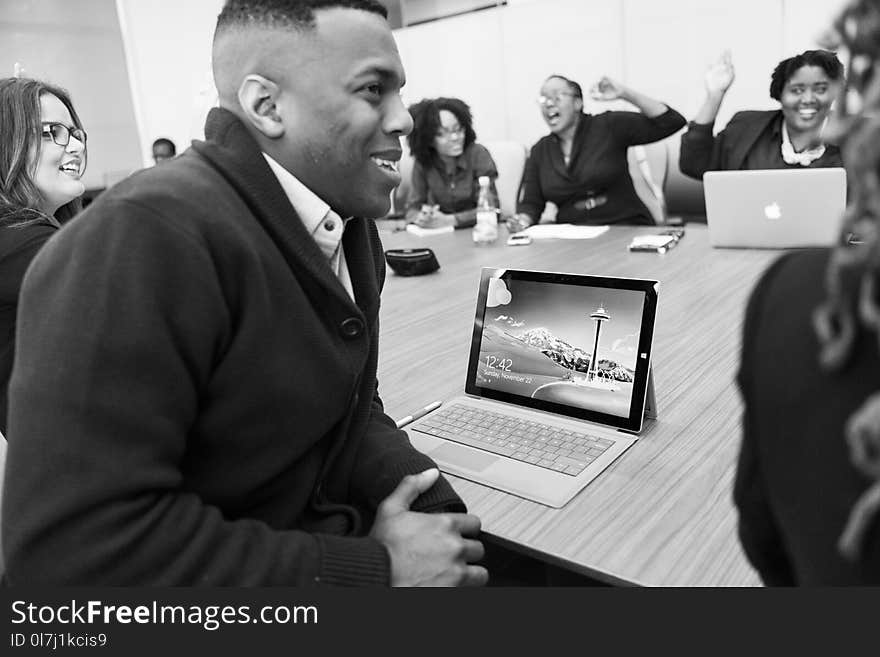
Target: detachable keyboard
544, 445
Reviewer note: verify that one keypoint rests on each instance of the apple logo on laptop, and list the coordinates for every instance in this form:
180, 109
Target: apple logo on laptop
773, 211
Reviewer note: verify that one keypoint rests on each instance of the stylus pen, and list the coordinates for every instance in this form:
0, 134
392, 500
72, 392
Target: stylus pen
402, 422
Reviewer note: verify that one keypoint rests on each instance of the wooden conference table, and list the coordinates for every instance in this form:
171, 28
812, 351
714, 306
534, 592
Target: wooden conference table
662, 514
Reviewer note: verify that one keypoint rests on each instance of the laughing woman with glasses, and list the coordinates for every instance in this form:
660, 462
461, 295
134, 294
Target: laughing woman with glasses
448, 164
42, 159
581, 166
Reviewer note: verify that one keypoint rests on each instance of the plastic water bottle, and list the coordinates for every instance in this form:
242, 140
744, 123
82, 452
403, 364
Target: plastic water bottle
486, 229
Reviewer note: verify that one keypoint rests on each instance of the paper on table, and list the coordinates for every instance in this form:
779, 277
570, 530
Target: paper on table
418, 230
565, 231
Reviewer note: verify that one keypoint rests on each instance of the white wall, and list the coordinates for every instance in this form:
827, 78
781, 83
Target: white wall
168, 49
77, 45
462, 60
496, 59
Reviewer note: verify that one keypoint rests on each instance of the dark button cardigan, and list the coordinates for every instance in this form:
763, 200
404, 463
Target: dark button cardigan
184, 408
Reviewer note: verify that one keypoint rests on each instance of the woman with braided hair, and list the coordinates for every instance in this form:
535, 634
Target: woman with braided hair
793, 136
808, 480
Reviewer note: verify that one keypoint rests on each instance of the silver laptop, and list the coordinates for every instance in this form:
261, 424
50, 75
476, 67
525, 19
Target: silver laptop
775, 208
557, 386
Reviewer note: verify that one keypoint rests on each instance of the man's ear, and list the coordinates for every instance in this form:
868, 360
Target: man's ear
258, 96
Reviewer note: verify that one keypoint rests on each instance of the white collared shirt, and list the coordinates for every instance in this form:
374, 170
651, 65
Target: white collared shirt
324, 225
804, 158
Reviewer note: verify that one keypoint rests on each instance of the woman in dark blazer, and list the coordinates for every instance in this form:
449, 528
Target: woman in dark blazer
804, 85
42, 158
808, 480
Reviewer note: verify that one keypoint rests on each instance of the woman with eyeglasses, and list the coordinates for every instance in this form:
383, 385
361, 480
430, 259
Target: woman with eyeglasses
42, 159
448, 164
581, 166
805, 87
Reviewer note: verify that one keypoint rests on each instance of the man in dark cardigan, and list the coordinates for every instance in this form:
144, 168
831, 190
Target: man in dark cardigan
194, 399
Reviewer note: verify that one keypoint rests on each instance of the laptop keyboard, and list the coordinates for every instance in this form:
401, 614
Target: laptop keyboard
544, 445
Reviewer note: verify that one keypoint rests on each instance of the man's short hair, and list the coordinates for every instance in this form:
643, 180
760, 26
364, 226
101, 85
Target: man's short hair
293, 14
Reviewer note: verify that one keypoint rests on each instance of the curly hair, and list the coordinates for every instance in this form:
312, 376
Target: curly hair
21, 138
426, 123
824, 59
852, 280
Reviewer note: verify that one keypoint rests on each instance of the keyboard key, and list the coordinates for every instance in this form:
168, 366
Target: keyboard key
574, 463
547, 446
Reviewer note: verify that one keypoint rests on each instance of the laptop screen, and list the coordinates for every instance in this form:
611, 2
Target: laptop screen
569, 344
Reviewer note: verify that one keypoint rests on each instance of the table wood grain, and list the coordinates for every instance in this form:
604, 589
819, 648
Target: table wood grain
662, 514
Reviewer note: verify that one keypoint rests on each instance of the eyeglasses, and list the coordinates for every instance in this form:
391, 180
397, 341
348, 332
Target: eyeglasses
60, 133
553, 98
448, 133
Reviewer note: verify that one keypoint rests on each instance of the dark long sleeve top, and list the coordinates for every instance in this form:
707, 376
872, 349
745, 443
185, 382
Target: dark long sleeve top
194, 396
795, 484
598, 168
454, 193
18, 246
750, 140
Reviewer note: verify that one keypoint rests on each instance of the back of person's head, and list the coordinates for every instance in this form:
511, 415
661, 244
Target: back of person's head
21, 141
163, 149
426, 125
823, 59
852, 306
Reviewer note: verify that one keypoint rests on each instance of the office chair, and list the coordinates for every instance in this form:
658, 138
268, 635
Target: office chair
648, 167
510, 160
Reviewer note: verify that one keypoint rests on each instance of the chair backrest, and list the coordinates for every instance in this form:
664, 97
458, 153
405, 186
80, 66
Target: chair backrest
684, 195
648, 167
510, 160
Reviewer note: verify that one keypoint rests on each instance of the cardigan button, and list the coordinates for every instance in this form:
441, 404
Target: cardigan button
351, 328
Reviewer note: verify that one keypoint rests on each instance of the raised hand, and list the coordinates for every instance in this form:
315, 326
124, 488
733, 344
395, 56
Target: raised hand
720, 76
607, 89
428, 549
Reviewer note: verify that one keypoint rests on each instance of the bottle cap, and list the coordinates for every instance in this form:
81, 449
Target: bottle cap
483, 180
